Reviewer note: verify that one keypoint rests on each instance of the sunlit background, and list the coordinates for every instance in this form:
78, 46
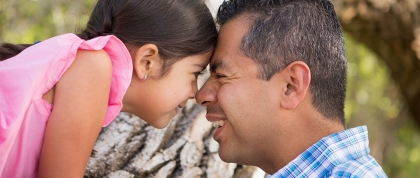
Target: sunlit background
373, 99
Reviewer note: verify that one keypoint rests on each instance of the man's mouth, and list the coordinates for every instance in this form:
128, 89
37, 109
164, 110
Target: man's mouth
218, 123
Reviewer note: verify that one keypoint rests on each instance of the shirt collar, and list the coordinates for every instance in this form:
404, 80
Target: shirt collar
332, 150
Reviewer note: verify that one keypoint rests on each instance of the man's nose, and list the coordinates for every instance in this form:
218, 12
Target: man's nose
206, 95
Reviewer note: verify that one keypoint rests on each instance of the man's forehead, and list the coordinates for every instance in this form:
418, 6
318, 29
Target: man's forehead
238, 25
229, 42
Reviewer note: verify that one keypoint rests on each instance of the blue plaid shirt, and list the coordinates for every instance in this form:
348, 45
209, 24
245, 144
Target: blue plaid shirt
342, 154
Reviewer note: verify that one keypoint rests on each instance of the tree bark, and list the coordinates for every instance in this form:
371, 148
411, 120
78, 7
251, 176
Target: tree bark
391, 29
129, 147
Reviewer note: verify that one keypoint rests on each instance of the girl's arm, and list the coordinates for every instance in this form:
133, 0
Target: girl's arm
80, 104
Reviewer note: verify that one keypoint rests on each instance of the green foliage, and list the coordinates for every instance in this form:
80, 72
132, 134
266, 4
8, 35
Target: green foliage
27, 21
373, 100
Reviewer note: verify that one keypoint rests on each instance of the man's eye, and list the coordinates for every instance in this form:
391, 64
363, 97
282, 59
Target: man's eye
219, 76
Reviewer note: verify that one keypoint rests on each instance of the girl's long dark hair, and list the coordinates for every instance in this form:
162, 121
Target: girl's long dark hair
179, 28
8, 50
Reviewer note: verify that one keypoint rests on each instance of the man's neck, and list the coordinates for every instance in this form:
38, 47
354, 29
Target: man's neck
304, 134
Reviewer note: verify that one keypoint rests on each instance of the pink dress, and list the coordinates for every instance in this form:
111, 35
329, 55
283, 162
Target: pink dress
26, 77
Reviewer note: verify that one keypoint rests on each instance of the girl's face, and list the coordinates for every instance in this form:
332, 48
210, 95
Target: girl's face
157, 100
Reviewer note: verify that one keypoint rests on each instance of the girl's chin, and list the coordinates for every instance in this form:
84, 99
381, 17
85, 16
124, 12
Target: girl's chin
160, 125
162, 122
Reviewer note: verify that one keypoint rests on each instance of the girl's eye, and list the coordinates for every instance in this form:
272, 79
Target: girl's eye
197, 74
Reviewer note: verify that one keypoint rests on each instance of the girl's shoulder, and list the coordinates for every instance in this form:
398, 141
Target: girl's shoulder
114, 51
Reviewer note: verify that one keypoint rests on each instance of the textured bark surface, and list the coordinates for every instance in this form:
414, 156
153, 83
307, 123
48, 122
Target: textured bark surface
391, 29
129, 147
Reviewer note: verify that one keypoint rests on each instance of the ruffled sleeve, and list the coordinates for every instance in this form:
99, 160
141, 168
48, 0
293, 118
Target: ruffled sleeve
121, 67
121, 71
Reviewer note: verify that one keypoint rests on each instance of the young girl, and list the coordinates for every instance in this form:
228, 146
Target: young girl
138, 56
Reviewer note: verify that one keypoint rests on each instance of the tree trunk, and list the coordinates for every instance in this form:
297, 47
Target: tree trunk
391, 29
129, 147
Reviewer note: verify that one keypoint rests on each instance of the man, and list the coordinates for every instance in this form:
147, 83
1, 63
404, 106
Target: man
277, 90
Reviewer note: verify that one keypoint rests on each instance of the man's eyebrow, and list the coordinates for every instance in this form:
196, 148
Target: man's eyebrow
219, 64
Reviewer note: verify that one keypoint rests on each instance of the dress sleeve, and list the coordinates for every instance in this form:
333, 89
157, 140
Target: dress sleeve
121, 67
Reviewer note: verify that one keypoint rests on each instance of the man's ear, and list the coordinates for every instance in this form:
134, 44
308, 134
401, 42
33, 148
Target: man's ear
146, 60
298, 78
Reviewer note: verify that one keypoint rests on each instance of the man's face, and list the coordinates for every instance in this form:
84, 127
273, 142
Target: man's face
235, 96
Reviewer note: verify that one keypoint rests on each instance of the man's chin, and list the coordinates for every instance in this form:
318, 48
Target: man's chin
225, 156
224, 159
232, 157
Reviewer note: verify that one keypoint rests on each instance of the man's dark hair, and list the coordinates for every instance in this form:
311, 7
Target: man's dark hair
284, 31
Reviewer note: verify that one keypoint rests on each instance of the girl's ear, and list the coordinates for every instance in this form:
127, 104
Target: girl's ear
147, 61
